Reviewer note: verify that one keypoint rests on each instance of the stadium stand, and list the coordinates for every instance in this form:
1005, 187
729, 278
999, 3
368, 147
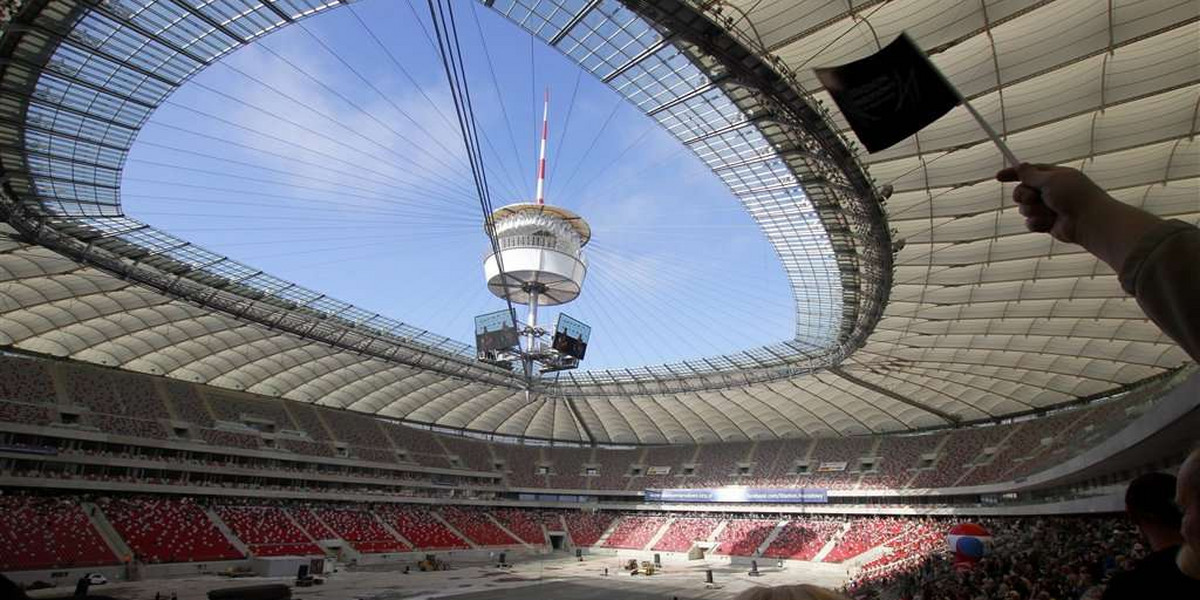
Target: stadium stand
683, 531
897, 457
48, 533
26, 380
961, 449
236, 408
114, 393
716, 465
586, 528
306, 447
420, 527
475, 524
526, 525
775, 461
863, 535
421, 446
187, 404
232, 439
312, 524
520, 464
127, 426
613, 466
742, 537
28, 414
268, 531
566, 468
355, 429
306, 416
634, 531
802, 539
361, 529
672, 457
471, 454
165, 530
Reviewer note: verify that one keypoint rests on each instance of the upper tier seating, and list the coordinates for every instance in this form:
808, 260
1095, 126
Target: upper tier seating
48, 533
312, 525
522, 523
802, 539
268, 531
383, 455
476, 525
233, 439
422, 447
161, 530
567, 467
229, 406
683, 531
897, 456
863, 535
307, 447
27, 414
419, 526
716, 464
115, 393
775, 460
128, 426
356, 429
961, 449
742, 537
614, 466
26, 380
305, 415
634, 531
361, 529
521, 463
472, 454
666, 456
188, 404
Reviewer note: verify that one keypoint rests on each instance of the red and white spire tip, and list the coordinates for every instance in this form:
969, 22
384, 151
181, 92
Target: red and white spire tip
541, 172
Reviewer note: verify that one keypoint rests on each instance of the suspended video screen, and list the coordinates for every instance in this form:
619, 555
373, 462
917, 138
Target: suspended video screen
495, 331
571, 336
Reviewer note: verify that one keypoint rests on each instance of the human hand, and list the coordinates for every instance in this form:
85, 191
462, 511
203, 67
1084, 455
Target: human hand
1053, 199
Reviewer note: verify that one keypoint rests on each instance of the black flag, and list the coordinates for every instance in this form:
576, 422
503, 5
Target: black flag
891, 94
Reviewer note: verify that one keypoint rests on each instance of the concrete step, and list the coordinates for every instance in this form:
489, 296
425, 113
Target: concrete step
607, 532
658, 535
227, 532
453, 529
510, 533
392, 530
109, 533
831, 544
770, 538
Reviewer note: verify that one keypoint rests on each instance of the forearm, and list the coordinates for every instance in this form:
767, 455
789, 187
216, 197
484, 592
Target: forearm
1162, 270
1110, 230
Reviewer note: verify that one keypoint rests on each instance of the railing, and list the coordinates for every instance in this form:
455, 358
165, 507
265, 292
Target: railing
537, 241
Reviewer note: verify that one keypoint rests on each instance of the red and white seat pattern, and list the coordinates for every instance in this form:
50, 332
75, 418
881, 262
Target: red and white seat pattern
683, 531
802, 539
585, 528
160, 530
422, 528
522, 523
362, 530
863, 535
48, 533
634, 532
742, 537
312, 525
476, 525
267, 531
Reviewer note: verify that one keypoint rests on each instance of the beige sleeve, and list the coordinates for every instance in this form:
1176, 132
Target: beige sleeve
1163, 273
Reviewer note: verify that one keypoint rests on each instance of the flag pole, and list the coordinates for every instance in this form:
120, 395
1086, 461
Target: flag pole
991, 133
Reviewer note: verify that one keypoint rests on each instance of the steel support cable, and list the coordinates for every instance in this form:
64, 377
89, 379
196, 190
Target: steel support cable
603, 126
433, 194
274, 114
566, 125
284, 141
246, 192
451, 55
482, 134
344, 98
387, 181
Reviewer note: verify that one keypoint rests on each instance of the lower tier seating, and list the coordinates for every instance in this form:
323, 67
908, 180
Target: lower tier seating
165, 530
48, 533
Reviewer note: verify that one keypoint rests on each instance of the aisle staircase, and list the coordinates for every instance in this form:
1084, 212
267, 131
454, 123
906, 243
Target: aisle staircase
470, 542
227, 532
107, 532
831, 544
770, 538
510, 534
658, 535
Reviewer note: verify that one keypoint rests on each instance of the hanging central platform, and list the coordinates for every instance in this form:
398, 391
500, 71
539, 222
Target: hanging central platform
541, 253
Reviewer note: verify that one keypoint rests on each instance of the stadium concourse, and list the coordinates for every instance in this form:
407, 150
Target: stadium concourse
176, 421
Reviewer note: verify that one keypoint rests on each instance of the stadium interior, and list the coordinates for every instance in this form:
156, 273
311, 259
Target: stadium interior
176, 422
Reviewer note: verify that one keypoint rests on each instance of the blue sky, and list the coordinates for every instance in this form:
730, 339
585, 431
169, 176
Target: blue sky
320, 157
